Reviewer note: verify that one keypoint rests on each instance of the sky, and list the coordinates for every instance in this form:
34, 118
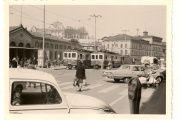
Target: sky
115, 18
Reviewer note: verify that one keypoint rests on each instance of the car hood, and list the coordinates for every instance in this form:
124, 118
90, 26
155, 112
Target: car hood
84, 101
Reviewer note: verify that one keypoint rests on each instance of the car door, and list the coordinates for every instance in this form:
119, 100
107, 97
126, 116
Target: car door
37, 97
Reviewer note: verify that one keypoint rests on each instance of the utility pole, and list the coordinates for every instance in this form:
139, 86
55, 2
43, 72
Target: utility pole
43, 37
95, 16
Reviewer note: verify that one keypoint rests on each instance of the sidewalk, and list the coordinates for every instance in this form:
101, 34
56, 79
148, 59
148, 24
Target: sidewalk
156, 104
55, 68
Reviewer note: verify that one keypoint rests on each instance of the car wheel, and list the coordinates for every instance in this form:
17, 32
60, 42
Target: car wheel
126, 80
159, 79
96, 67
116, 80
69, 66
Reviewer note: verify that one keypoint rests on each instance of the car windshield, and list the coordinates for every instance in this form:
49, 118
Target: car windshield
124, 67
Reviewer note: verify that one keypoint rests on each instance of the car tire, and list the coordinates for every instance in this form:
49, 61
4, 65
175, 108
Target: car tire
159, 79
96, 67
117, 80
69, 66
126, 80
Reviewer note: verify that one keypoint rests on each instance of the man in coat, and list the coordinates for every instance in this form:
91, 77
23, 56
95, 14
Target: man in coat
14, 63
80, 74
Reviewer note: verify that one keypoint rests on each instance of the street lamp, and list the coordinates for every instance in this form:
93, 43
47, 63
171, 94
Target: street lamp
95, 16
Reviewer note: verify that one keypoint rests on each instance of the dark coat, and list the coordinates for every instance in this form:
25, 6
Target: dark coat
80, 72
14, 64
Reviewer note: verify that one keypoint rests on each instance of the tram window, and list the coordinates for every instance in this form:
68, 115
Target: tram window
73, 55
65, 55
93, 57
100, 56
69, 55
116, 57
96, 56
106, 57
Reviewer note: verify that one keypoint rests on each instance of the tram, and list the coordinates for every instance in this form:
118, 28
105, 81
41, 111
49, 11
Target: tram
71, 58
102, 58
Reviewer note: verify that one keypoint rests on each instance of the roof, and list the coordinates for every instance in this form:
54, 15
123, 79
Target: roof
22, 74
123, 37
37, 34
13, 28
119, 37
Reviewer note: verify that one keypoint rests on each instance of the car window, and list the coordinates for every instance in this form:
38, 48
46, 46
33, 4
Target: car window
30, 93
141, 68
135, 68
124, 67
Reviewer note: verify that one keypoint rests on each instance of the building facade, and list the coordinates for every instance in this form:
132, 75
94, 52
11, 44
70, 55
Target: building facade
26, 44
134, 46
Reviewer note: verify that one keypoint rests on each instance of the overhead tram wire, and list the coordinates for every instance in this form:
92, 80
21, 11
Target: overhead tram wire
30, 17
66, 17
57, 15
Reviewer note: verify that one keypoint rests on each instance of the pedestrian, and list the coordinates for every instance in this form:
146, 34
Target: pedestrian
80, 74
21, 62
34, 61
14, 63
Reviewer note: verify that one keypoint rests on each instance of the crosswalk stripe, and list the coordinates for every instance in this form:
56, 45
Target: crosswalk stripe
147, 93
124, 92
68, 87
114, 102
94, 86
108, 89
66, 83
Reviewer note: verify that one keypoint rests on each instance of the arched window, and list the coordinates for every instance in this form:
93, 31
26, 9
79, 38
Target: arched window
28, 45
13, 44
21, 45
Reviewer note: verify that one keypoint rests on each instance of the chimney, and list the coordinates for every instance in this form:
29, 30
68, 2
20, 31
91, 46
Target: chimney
145, 33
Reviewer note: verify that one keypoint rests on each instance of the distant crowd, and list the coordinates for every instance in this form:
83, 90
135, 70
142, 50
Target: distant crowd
15, 63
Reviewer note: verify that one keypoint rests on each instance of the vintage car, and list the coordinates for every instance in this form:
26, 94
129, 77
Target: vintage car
33, 91
126, 72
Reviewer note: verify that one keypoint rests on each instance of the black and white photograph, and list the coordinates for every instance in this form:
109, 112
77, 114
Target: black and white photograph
88, 59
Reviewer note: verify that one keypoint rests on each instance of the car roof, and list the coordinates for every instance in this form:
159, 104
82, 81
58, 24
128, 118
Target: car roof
21, 74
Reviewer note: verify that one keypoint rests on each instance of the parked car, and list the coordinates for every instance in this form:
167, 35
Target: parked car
126, 72
47, 97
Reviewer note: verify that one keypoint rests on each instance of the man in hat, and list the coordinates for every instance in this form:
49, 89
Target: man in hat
80, 74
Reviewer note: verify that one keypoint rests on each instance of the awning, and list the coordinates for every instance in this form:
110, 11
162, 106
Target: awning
22, 48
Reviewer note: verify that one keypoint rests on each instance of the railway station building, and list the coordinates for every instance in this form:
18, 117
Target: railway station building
26, 44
